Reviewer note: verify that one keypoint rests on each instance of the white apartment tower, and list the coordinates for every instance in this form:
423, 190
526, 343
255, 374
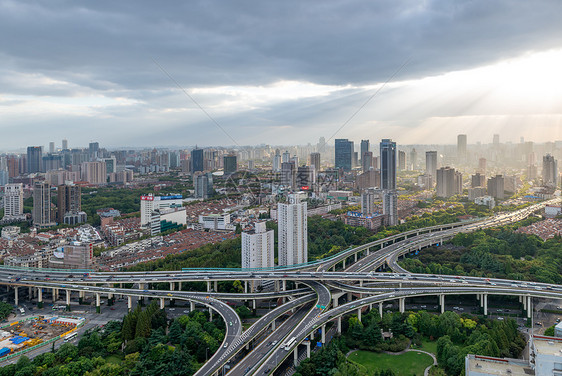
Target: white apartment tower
258, 247
13, 201
293, 232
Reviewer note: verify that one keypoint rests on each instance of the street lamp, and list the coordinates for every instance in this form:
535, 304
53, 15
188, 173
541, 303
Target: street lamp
206, 351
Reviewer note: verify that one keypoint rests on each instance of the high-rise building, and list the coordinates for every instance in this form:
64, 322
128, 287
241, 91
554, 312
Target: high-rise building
64, 144
449, 182
277, 161
343, 154
431, 164
482, 166
315, 161
364, 148
34, 159
401, 160
51, 147
258, 247
93, 150
203, 184
94, 172
52, 162
293, 232
549, 171
110, 164
13, 166
367, 161
496, 187
69, 200
413, 165
496, 140
390, 207
478, 180
230, 164
42, 205
306, 178
368, 198
197, 160
286, 157
461, 147
13, 201
388, 164
288, 174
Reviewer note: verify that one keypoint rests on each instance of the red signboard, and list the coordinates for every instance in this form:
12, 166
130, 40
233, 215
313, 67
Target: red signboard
147, 198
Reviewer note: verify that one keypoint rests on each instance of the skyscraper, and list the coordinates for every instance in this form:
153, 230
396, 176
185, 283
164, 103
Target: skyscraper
34, 159
343, 154
367, 161
93, 150
277, 161
496, 140
203, 184
51, 147
413, 165
288, 174
390, 207
13, 201
42, 205
315, 161
52, 162
293, 232
549, 171
478, 180
496, 187
388, 164
230, 164
306, 178
431, 163
449, 182
94, 172
368, 198
64, 144
69, 200
197, 160
401, 160
258, 247
364, 148
461, 147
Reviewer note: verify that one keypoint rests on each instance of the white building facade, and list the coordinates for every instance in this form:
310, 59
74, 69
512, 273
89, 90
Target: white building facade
293, 232
13, 201
258, 247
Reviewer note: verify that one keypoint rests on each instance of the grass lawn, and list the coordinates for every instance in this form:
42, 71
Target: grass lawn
429, 346
407, 364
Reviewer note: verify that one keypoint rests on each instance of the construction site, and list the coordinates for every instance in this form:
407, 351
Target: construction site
22, 336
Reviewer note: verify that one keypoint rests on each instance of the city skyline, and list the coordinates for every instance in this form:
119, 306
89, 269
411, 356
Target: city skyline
279, 72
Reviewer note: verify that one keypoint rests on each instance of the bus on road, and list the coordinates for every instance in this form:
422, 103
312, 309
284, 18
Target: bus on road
70, 337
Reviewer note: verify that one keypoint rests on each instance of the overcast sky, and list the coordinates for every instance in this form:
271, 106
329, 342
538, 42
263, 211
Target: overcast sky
278, 72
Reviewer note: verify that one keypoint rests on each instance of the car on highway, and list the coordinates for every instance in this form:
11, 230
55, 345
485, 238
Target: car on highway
168, 294
225, 345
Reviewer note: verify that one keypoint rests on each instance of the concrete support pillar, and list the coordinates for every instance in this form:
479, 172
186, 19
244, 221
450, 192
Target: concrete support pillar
380, 309
68, 300
359, 314
323, 334
171, 286
524, 302
529, 306
273, 325
339, 325
335, 302
349, 297
485, 304
16, 300
442, 302
208, 286
129, 303
276, 286
296, 356
179, 286
39, 297
361, 283
402, 304
98, 306
334, 268
30, 292
161, 303
191, 306
343, 264
520, 299
307, 343
355, 257
245, 287
284, 285
210, 314
216, 286
54, 294
254, 304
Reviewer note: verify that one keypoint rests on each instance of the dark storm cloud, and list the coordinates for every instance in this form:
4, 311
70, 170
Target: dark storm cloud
72, 49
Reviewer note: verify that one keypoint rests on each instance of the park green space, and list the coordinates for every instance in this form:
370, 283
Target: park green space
406, 364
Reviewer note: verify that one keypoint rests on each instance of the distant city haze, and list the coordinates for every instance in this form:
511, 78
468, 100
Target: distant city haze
278, 73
